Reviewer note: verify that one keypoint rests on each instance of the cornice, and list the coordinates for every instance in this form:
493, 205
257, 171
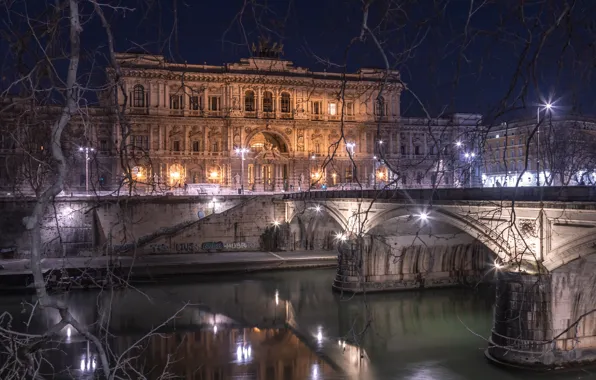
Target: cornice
259, 79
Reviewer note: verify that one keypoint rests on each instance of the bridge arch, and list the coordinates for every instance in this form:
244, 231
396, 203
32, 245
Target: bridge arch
314, 225
571, 251
331, 211
472, 227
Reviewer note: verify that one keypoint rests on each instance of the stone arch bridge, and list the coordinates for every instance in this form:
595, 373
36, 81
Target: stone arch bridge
538, 243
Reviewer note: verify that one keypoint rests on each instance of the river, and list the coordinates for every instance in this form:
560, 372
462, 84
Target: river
283, 325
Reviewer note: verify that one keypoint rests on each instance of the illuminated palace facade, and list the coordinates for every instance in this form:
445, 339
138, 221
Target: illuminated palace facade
194, 120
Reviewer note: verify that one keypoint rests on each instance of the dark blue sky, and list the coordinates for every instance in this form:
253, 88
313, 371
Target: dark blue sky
487, 65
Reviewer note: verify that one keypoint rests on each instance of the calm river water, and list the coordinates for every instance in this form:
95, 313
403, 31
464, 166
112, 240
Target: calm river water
237, 328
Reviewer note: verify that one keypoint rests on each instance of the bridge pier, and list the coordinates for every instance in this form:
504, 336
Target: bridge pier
545, 321
368, 264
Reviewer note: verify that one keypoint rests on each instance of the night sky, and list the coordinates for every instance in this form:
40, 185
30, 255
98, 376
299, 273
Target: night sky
452, 65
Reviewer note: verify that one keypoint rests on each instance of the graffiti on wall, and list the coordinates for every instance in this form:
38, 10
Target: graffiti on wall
200, 247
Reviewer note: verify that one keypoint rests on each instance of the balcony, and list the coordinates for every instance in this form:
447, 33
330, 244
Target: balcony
250, 114
286, 115
213, 113
138, 110
317, 117
268, 115
333, 117
195, 113
176, 112
350, 118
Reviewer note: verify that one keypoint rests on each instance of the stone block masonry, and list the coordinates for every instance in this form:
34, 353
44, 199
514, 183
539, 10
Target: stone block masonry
238, 228
546, 321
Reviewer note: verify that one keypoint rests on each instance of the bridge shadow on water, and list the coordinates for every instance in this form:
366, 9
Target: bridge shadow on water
282, 325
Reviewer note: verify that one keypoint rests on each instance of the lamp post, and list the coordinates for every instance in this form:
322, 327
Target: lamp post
86, 150
350, 147
547, 108
374, 171
241, 151
470, 158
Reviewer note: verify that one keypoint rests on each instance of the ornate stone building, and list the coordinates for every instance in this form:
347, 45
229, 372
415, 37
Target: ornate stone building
194, 119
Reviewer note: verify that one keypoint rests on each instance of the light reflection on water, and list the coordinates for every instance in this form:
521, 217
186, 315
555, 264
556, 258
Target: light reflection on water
406, 335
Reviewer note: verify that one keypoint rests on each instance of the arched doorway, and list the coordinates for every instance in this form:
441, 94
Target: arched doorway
269, 168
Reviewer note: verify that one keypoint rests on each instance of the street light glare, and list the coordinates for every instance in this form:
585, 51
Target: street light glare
423, 216
458, 144
548, 106
467, 155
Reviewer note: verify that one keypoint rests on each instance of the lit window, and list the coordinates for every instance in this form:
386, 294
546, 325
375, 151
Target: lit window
332, 109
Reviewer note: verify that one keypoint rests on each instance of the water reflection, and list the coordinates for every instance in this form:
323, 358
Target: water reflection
408, 335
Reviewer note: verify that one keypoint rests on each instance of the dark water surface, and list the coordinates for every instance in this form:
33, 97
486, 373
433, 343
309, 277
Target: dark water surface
285, 325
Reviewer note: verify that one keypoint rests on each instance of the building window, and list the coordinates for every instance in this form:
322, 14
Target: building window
521, 152
317, 108
285, 102
417, 150
267, 101
138, 96
249, 101
318, 148
140, 142
214, 103
419, 178
521, 140
215, 146
194, 102
196, 146
175, 103
176, 146
103, 145
350, 109
380, 106
332, 109
403, 150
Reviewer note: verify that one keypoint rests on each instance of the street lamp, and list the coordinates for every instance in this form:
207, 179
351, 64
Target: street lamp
470, 158
547, 108
86, 150
241, 151
374, 172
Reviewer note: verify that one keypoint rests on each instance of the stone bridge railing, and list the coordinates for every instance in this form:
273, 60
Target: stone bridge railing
527, 194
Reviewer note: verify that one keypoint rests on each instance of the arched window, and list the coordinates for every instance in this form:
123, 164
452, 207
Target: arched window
380, 106
249, 101
267, 101
285, 102
138, 96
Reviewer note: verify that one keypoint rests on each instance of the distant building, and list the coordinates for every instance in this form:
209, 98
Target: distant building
561, 151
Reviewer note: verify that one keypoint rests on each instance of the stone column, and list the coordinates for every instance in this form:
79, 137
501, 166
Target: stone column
166, 96
522, 320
